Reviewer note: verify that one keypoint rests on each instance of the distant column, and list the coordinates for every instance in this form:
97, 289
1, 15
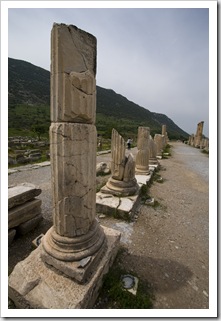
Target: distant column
153, 152
75, 233
143, 154
199, 134
159, 144
122, 181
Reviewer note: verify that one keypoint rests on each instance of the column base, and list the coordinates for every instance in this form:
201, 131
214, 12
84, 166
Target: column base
120, 188
37, 285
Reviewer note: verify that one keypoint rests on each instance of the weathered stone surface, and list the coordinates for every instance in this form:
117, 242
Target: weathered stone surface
22, 213
29, 225
73, 164
33, 284
11, 235
22, 193
73, 68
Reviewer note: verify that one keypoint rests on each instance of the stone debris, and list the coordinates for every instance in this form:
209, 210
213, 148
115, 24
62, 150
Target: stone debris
22, 193
24, 210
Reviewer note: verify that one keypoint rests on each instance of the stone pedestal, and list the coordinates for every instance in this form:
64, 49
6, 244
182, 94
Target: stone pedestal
34, 284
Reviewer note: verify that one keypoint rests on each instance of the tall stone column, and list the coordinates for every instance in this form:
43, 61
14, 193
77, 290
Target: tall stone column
67, 269
153, 152
164, 130
75, 234
143, 154
159, 144
199, 134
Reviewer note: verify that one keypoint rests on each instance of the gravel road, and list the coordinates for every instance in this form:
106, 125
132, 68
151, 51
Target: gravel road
167, 245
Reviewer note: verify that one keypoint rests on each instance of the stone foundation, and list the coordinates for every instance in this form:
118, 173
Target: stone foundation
35, 284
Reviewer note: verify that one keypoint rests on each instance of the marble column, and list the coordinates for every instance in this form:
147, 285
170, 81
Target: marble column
153, 152
199, 134
159, 144
67, 269
122, 181
75, 234
143, 154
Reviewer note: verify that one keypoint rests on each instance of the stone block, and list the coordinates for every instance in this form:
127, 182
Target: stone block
107, 203
22, 213
29, 225
22, 193
73, 71
33, 284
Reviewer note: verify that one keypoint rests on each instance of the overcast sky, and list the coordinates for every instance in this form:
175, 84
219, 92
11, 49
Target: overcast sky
155, 57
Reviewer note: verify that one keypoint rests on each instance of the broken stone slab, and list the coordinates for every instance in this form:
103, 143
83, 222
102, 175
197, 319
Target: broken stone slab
143, 179
11, 235
22, 193
22, 213
26, 227
106, 204
116, 206
126, 207
33, 284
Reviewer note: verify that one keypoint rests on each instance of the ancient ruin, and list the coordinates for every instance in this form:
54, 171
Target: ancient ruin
199, 134
66, 270
143, 154
153, 152
24, 209
158, 139
122, 181
198, 140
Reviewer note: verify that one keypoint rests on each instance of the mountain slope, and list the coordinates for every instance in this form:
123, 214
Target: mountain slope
29, 96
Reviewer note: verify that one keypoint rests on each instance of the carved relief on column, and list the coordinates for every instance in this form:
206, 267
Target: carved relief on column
122, 181
143, 154
75, 233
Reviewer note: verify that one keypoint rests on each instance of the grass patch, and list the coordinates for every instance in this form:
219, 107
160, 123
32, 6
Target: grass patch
205, 152
114, 296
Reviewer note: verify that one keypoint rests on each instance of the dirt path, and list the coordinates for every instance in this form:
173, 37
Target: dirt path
167, 245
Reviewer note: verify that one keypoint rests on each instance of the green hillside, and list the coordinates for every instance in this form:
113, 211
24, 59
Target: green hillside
29, 99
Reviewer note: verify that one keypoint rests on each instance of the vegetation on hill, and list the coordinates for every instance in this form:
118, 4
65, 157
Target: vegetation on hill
29, 111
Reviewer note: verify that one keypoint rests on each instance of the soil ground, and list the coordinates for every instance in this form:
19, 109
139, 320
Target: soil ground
167, 245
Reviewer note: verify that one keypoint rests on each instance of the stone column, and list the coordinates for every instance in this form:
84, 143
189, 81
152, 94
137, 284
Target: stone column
199, 134
158, 141
164, 130
66, 270
143, 154
153, 152
75, 234
122, 181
